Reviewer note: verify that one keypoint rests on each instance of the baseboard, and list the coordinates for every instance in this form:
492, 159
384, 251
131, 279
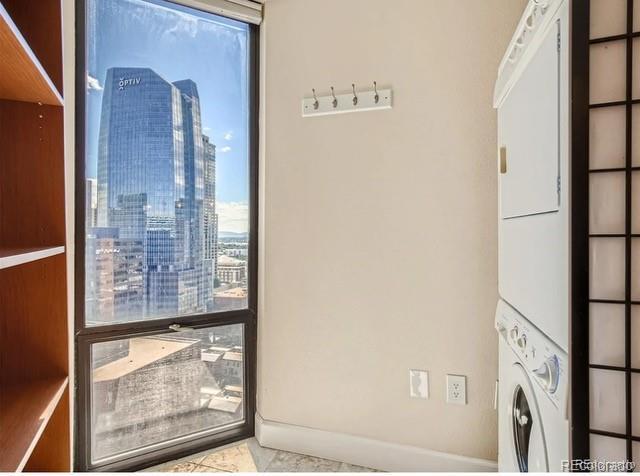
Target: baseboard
361, 451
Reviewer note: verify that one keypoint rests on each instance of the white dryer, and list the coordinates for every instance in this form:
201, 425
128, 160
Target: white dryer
532, 397
531, 96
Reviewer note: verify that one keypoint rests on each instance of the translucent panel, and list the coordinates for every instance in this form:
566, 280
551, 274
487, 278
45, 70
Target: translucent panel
635, 408
606, 334
636, 444
166, 162
608, 18
635, 269
607, 132
149, 390
636, 17
636, 69
607, 72
607, 202
607, 397
604, 448
607, 268
635, 135
635, 337
635, 203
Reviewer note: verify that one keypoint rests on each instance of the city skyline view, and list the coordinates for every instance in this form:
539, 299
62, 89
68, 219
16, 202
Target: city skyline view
123, 39
167, 162
166, 219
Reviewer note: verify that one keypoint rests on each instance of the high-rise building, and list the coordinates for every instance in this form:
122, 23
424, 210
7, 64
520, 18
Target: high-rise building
232, 270
91, 203
210, 216
114, 277
156, 187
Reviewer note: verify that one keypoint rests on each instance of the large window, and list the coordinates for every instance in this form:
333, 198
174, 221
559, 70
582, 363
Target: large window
166, 230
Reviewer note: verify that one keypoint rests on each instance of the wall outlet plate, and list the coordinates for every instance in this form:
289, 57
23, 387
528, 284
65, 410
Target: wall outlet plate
457, 389
419, 384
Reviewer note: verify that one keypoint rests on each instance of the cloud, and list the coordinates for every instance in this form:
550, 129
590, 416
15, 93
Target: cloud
206, 129
93, 84
224, 149
233, 216
228, 136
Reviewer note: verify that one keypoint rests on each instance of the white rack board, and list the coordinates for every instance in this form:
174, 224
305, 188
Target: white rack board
366, 102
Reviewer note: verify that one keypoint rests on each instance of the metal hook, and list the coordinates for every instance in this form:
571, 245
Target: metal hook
335, 99
376, 98
355, 96
316, 103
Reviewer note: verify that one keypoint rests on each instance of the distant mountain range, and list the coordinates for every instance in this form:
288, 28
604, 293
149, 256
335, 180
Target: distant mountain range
233, 234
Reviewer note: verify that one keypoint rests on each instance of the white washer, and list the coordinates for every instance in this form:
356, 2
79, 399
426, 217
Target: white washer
532, 397
532, 99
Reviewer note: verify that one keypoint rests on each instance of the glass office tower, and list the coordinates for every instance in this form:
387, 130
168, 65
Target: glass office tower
151, 189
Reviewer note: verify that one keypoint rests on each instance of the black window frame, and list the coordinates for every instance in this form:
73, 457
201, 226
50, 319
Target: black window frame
85, 336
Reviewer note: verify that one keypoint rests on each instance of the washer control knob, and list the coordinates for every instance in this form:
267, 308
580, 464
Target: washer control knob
548, 374
514, 333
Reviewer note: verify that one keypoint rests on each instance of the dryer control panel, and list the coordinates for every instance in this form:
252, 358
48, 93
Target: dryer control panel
545, 362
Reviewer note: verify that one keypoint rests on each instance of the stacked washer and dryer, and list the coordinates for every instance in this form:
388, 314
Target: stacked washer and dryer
532, 316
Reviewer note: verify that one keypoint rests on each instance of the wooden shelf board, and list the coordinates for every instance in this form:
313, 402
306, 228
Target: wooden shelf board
22, 77
26, 410
17, 256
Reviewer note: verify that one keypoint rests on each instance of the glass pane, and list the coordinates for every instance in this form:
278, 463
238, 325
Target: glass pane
149, 390
167, 161
522, 426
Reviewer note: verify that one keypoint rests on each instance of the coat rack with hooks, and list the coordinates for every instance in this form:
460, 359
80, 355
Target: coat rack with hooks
353, 101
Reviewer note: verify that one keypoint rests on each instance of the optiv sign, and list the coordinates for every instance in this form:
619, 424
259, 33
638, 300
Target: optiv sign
124, 82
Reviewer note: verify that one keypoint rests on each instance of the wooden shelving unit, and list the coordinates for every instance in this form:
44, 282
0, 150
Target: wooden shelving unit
27, 407
34, 339
24, 78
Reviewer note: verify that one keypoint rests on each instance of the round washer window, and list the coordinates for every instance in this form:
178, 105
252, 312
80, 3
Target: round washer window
522, 427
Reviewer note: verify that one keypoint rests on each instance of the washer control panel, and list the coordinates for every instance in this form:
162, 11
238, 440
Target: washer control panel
546, 363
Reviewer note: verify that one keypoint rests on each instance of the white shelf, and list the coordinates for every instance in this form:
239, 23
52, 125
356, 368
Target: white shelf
16, 256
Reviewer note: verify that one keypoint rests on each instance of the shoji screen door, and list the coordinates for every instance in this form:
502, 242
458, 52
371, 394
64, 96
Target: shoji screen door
607, 416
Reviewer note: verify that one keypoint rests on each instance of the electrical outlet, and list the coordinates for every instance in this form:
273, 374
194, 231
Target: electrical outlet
419, 384
457, 389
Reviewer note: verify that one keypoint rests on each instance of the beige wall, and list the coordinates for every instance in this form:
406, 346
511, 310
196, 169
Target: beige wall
379, 235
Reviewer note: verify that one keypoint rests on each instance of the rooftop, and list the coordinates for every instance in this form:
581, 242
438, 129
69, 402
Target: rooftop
232, 293
142, 352
225, 260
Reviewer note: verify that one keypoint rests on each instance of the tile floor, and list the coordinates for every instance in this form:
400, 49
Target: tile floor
248, 456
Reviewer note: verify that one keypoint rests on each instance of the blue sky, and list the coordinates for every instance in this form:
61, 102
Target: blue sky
180, 43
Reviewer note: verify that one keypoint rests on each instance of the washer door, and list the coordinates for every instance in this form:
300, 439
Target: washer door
526, 425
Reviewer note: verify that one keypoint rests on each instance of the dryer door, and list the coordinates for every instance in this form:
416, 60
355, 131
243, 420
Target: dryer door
529, 130
526, 424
